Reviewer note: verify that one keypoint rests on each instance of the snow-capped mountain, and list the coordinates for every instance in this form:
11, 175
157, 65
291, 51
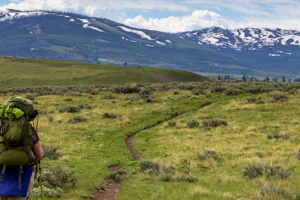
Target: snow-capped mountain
69, 36
244, 38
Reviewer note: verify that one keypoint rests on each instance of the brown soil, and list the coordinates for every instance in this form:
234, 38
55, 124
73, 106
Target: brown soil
108, 192
112, 188
129, 144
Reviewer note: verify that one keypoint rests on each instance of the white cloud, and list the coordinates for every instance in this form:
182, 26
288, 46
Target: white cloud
197, 20
91, 6
235, 14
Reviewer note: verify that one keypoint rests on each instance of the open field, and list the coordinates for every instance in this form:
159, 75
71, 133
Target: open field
261, 133
20, 72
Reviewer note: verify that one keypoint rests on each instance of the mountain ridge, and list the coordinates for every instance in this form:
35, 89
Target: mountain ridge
69, 36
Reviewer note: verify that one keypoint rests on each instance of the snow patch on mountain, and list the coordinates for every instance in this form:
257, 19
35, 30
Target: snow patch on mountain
148, 45
161, 43
244, 38
10, 15
86, 24
140, 33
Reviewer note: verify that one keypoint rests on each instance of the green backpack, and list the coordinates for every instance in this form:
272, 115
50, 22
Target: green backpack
17, 135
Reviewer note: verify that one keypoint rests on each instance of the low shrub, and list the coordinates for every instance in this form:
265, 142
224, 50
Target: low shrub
191, 179
214, 123
109, 115
175, 92
209, 154
232, 91
68, 99
277, 135
279, 98
278, 171
147, 164
77, 119
173, 112
180, 178
126, 89
253, 170
50, 152
255, 100
69, 109
192, 123
118, 175
30, 97
53, 178
145, 94
269, 190
154, 168
166, 177
171, 123
94, 91
110, 96
85, 106
195, 92
218, 89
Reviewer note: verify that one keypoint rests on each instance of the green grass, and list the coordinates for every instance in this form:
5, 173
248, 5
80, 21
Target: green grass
92, 146
17, 72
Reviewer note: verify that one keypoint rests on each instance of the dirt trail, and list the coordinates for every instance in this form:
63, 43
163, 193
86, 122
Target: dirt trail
112, 188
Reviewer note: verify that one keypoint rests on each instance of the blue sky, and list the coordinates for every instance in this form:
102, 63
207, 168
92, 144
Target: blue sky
177, 15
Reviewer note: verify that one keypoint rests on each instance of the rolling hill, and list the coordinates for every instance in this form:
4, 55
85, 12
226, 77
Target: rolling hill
20, 72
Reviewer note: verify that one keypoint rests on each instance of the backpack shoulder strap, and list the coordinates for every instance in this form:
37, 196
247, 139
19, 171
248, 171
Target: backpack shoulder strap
2, 122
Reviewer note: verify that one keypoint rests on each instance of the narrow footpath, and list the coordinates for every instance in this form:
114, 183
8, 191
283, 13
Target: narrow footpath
111, 188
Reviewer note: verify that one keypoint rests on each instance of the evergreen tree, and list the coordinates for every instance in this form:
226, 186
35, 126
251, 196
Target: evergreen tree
244, 78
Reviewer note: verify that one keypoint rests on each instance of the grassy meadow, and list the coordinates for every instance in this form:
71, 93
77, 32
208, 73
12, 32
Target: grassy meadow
254, 155
90, 147
20, 72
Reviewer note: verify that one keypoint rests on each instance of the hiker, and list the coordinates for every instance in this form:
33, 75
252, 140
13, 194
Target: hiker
17, 157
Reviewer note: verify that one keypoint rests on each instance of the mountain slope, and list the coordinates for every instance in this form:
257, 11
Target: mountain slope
55, 35
68, 36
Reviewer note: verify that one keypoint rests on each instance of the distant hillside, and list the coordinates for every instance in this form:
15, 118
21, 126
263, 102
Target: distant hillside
19, 72
263, 49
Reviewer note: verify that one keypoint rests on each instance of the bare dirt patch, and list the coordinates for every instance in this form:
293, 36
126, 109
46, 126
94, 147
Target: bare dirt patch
129, 144
108, 192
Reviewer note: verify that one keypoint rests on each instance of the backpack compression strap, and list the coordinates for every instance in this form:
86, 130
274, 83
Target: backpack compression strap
20, 172
2, 173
